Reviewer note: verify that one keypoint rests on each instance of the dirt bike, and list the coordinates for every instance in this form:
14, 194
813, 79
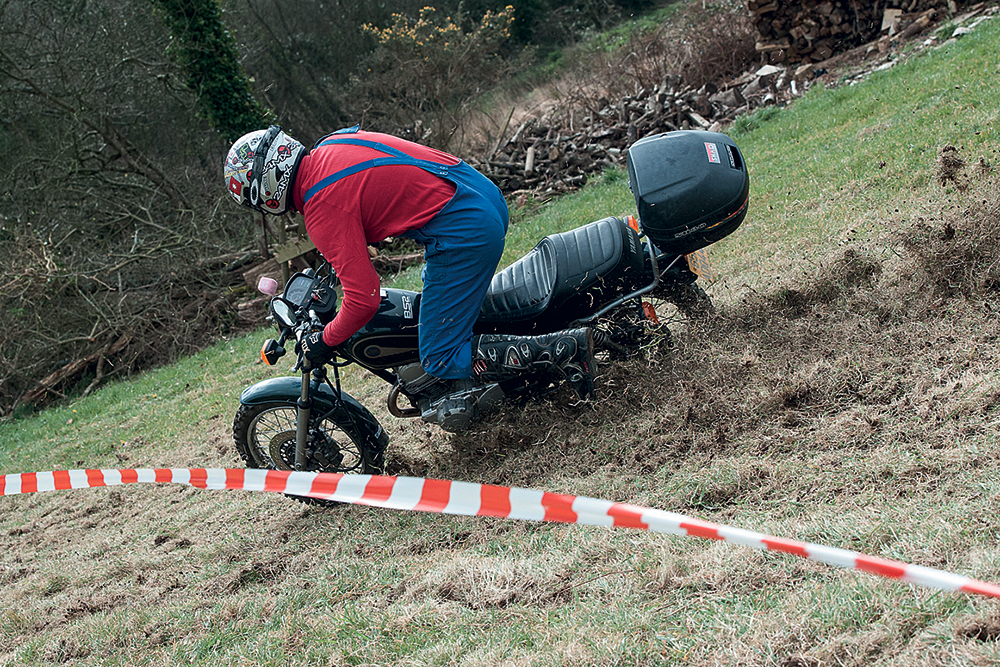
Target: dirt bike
691, 189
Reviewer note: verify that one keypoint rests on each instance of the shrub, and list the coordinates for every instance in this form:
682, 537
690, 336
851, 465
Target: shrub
699, 46
426, 71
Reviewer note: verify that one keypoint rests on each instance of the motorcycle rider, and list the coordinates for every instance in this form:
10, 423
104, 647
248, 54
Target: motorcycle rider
357, 188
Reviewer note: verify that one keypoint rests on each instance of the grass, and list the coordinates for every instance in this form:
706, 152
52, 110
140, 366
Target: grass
864, 154
846, 394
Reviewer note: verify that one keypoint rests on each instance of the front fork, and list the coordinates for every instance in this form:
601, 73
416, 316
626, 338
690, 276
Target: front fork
303, 413
327, 401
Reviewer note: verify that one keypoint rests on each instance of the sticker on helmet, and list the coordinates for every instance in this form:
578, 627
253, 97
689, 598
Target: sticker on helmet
235, 186
244, 152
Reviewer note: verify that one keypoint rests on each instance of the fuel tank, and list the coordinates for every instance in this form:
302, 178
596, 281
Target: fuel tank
390, 338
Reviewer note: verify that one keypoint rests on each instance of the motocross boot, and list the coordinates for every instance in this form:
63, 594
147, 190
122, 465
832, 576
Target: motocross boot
566, 354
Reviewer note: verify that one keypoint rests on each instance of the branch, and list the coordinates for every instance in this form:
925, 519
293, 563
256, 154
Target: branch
110, 134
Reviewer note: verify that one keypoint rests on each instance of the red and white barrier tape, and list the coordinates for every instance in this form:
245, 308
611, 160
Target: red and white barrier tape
446, 497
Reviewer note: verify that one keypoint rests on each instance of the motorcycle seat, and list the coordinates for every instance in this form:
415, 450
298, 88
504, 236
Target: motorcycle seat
560, 268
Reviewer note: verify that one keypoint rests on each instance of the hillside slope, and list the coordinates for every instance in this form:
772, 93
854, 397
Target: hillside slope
845, 394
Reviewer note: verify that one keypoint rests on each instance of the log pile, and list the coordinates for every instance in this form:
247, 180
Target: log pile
557, 150
815, 30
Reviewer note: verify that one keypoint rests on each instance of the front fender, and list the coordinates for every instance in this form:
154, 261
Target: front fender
345, 410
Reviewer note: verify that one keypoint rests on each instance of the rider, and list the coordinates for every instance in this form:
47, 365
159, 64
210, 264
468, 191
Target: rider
357, 188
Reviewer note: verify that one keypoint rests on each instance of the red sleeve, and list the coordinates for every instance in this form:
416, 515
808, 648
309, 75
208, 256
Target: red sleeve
341, 240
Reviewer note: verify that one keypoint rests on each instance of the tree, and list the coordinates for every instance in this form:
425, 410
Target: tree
206, 52
109, 198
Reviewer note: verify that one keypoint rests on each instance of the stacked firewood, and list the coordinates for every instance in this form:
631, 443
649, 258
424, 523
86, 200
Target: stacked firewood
815, 30
558, 150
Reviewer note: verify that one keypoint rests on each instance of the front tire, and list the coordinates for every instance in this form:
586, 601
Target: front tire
264, 435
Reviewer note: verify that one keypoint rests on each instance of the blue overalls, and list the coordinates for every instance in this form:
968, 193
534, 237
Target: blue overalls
462, 248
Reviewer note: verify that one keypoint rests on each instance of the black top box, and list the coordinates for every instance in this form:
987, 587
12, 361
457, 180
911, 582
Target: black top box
691, 188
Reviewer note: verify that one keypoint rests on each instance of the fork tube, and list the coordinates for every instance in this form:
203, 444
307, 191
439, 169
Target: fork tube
302, 426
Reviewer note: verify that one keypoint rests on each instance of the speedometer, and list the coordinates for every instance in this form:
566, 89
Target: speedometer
298, 289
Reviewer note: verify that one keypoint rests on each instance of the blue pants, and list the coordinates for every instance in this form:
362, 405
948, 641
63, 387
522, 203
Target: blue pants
463, 244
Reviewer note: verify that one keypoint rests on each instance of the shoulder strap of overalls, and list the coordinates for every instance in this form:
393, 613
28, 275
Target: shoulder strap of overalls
398, 157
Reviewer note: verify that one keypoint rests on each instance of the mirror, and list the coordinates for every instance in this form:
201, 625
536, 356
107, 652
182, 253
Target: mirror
284, 311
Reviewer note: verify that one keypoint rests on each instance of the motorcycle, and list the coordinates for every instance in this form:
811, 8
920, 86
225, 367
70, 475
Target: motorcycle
691, 189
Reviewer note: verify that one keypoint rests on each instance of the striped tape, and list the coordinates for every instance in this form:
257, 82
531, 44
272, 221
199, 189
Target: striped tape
447, 497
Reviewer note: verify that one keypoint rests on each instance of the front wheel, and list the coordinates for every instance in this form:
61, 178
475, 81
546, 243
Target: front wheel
265, 438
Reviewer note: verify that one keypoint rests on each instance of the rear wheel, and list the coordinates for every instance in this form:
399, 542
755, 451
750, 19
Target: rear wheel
265, 438
691, 300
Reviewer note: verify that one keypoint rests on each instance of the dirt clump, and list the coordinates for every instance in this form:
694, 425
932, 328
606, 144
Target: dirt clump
949, 167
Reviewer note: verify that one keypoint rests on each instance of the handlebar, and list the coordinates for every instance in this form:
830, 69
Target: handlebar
298, 302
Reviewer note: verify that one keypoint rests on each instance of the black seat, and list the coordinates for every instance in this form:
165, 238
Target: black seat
560, 267
522, 290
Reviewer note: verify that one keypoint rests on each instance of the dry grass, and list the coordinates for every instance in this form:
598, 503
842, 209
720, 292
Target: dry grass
699, 44
696, 47
851, 401
857, 409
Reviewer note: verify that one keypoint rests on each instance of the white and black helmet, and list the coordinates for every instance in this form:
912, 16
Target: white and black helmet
260, 169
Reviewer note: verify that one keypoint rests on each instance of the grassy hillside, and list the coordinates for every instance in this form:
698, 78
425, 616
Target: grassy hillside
846, 394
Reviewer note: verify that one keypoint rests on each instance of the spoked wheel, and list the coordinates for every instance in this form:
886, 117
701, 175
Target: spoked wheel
265, 438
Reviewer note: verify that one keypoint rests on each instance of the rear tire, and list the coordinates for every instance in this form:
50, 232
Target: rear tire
691, 300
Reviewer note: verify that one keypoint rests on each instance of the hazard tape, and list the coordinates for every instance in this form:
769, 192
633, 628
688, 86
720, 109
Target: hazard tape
466, 498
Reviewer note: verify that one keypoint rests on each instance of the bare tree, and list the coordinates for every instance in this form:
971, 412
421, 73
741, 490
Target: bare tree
107, 201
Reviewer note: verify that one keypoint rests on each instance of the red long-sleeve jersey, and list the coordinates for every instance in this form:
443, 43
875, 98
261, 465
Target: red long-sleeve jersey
364, 208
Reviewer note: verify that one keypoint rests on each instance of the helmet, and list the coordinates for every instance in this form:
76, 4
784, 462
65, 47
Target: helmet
260, 169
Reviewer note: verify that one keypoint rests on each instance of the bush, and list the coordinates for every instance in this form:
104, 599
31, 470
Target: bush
426, 71
112, 203
698, 46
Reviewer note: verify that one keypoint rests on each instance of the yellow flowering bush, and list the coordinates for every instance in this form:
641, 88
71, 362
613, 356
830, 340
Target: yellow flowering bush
430, 68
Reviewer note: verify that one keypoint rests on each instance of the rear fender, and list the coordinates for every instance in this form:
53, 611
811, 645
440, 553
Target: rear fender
343, 409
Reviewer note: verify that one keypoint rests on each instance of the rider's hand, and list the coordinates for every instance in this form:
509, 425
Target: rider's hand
316, 351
